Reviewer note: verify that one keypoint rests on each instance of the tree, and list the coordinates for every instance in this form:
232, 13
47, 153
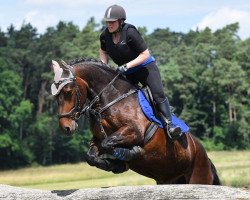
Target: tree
13, 113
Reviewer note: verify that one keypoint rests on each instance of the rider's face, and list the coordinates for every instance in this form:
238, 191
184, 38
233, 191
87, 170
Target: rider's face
113, 26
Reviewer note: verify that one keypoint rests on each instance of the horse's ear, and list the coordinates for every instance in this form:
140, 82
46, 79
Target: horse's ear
55, 66
64, 65
57, 70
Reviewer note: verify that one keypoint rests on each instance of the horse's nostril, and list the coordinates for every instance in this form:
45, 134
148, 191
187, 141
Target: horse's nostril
67, 129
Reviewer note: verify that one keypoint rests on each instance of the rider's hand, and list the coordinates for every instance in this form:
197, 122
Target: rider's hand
122, 69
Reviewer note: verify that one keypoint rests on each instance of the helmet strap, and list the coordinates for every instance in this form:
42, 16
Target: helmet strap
119, 29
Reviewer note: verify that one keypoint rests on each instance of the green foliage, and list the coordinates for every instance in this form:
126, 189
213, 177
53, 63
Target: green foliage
41, 139
70, 149
12, 152
205, 75
21, 113
211, 145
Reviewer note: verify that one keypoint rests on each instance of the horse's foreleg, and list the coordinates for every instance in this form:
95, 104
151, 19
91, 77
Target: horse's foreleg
124, 137
92, 154
92, 158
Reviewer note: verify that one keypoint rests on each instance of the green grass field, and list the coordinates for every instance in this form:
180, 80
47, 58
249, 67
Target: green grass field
233, 169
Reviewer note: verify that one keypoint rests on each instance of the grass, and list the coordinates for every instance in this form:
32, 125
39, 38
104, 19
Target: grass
70, 176
233, 169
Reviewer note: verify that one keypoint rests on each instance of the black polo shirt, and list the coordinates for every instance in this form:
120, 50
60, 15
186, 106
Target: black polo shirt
128, 48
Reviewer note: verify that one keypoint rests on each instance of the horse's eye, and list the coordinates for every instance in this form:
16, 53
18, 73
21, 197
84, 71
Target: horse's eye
67, 89
60, 99
67, 93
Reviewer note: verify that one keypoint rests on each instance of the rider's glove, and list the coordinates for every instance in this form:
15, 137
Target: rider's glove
122, 69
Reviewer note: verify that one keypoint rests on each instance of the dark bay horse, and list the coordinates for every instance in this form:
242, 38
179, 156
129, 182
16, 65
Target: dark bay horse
118, 126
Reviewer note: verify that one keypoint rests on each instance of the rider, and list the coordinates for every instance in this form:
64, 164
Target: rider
124, 44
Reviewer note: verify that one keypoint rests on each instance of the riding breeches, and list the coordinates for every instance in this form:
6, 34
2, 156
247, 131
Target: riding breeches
149, 76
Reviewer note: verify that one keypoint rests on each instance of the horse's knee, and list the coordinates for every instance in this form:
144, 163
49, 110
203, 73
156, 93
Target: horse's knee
125, 136
111, 141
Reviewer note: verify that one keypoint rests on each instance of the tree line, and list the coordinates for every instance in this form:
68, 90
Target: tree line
206, 76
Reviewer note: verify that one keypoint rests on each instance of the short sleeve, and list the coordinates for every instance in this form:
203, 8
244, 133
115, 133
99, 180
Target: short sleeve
103, 41
135, 40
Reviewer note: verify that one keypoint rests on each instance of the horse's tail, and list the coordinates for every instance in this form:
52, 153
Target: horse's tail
216, 180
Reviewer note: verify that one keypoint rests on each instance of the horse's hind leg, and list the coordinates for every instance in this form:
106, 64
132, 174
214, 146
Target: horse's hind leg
216, 178
202, 171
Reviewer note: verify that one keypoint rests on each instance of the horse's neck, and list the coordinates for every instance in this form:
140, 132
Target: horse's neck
97, 79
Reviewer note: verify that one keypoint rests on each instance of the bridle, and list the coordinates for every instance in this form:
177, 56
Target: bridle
77, 111
74, 113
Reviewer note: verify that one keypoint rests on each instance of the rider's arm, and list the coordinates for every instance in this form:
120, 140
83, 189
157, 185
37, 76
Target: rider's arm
143, 56
136, 42
104, 57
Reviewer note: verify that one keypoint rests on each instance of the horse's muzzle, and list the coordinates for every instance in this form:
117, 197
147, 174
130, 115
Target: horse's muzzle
68, 126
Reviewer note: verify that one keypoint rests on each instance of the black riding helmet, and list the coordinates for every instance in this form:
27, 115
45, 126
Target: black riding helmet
114, 13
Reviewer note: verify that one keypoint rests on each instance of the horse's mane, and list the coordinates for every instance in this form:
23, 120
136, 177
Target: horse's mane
99, 64
96, 62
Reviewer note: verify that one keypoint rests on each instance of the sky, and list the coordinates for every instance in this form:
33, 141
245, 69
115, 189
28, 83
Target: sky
177, 15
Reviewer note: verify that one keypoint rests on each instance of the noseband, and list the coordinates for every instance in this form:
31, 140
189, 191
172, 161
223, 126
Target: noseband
75, 112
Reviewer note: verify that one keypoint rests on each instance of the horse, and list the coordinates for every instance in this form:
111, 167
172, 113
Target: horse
118, 126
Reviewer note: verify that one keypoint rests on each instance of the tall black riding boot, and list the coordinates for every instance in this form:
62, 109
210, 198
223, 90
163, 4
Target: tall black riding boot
166, 119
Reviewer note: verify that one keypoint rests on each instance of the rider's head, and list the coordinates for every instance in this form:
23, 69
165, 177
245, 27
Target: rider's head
115, 13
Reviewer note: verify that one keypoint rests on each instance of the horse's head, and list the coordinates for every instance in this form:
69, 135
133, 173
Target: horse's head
71, 94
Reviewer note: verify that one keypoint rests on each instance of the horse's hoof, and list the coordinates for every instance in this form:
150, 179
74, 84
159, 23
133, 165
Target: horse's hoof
90, 160
120, 167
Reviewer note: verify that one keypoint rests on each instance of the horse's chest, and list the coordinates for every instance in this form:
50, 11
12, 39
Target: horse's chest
102, 127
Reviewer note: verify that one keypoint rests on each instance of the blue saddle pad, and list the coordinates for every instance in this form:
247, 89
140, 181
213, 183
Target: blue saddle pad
148, 111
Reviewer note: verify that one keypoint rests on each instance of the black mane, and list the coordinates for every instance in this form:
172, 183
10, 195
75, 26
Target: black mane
96, 62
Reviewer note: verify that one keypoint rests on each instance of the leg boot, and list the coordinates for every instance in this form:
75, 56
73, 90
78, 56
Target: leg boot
166, 118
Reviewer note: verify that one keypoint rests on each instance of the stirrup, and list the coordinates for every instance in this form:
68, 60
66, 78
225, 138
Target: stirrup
174, 133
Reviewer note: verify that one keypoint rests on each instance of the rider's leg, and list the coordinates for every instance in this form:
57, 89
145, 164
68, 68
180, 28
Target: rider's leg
166, 118
151, 76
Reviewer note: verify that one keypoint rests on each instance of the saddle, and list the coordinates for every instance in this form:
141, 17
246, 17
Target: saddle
149, 109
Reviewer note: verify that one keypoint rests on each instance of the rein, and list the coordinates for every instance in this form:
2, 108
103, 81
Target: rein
97, 97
